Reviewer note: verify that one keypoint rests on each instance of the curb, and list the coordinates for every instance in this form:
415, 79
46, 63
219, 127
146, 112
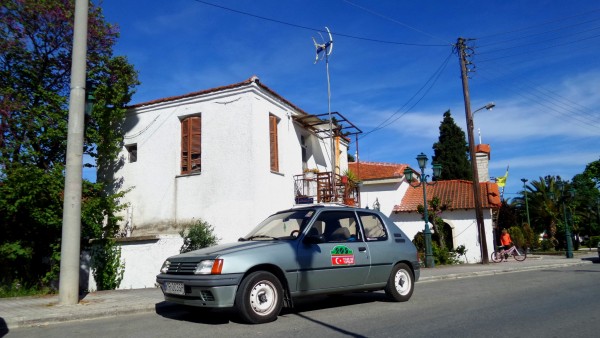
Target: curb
499, 271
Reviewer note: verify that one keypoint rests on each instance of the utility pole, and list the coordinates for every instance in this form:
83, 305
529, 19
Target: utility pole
68, 288
460, 45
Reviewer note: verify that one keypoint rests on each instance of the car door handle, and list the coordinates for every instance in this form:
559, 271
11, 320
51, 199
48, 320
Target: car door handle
362, 248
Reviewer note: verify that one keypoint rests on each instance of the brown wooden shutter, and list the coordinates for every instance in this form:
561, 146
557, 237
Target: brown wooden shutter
195, 143
185, 145
273, 143
191, 142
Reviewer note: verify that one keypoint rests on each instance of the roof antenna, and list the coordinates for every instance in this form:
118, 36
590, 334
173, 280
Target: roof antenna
323, 51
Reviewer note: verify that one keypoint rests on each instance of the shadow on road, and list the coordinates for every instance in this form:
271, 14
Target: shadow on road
224, 316
3, 327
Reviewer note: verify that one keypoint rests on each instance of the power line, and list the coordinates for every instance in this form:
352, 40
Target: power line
318, 29
539, 25
430, 82
395, 21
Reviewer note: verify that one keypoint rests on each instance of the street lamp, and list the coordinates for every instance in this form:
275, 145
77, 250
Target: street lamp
488, 106
437, 171
526, 203
561, 187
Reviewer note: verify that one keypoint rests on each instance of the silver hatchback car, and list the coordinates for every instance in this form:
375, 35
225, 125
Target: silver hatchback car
311, 250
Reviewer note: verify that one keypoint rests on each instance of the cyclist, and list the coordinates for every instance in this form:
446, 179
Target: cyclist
506, 242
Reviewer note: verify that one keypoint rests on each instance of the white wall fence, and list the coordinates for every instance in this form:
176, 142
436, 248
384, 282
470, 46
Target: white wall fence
143, 258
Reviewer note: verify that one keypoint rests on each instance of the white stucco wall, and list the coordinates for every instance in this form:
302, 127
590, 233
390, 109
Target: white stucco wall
235, 189
142, 259
464, 229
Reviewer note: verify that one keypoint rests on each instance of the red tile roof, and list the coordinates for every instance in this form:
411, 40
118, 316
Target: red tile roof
458, 194
376, 170
250, 81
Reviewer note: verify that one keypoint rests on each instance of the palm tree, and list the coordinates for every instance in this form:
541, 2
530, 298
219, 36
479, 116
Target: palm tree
545, 208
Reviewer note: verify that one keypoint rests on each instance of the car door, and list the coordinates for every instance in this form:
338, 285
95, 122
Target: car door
342, 260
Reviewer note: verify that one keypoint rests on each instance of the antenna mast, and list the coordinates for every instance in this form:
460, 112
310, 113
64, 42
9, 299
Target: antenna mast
323, 51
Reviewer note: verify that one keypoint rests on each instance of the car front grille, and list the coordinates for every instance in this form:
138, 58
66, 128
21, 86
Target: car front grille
182, 268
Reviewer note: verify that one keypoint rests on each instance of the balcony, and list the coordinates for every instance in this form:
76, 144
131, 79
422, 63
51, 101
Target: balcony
325, 187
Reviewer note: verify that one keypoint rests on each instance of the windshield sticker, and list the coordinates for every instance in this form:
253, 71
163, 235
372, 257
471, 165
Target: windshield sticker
342, 255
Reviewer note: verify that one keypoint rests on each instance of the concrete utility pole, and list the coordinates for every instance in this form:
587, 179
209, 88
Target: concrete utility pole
460, 45
71, 227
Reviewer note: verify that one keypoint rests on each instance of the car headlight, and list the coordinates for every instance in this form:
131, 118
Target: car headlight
209, 267
165, 267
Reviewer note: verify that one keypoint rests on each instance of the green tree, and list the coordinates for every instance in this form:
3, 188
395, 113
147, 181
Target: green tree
35, 63
451, 151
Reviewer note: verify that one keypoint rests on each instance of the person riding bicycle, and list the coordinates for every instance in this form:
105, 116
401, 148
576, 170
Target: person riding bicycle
506, 242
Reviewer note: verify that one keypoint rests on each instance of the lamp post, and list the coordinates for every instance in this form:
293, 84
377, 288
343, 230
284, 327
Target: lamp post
408, 173
526, 203
561, 186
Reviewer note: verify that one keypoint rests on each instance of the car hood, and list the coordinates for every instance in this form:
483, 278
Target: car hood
223, 249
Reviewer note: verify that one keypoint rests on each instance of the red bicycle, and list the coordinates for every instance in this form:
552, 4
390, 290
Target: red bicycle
519, 254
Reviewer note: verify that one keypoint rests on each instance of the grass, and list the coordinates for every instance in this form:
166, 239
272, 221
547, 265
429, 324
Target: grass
17, 290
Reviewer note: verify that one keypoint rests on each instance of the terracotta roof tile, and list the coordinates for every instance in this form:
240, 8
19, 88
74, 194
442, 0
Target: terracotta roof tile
457, 193
376, 170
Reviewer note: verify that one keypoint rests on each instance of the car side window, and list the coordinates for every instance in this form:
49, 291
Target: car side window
374, 228
337, 226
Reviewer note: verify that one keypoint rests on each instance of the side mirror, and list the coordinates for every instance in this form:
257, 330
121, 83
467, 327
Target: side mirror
313, 239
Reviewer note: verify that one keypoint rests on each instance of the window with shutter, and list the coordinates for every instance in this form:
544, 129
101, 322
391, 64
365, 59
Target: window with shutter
191, 144
273, 143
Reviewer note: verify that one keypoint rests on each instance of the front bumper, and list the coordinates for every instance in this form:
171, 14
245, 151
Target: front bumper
211, 291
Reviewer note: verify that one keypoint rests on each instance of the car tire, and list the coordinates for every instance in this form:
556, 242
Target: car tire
401, 284
259, 298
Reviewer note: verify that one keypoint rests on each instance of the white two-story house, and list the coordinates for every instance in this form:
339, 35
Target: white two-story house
230, 156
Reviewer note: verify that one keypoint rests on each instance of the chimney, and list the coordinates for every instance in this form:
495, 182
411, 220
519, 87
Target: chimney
482, 156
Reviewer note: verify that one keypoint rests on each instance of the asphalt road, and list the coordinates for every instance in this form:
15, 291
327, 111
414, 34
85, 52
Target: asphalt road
560, 302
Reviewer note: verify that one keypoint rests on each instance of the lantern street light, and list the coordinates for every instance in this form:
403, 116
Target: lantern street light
526, 203
561, 187
437, 171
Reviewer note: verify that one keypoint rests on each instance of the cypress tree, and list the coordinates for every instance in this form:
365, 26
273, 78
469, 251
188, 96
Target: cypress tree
451, 151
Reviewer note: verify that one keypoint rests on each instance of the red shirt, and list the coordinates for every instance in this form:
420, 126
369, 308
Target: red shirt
505, 239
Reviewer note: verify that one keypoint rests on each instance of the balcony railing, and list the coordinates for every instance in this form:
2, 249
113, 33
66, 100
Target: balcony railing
325, 187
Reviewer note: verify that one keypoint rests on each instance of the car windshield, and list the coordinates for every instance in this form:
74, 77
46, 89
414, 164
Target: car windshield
285, 225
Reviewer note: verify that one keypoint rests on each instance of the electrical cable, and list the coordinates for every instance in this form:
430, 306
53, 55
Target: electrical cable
432, 79
317, 30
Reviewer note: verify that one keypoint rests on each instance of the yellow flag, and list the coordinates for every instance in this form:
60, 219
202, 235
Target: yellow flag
501, 181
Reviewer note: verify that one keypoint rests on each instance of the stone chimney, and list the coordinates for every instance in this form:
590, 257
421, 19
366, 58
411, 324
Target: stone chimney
482, 156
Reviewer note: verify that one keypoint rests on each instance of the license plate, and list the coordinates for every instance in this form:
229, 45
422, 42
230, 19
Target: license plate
174, 288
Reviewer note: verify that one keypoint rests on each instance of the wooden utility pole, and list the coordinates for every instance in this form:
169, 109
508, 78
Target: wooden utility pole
460, 46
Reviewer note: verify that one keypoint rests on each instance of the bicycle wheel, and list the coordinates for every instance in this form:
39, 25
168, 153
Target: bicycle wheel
519, 254
496, 257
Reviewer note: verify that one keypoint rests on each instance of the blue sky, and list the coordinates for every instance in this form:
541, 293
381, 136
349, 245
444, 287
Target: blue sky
393, 65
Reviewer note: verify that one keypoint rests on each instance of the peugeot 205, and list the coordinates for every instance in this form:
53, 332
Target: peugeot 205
305, 251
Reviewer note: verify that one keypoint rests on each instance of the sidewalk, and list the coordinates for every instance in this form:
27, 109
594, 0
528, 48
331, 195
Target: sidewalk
37, 311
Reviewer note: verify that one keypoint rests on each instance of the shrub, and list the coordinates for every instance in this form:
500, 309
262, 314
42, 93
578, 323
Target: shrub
200, 234
106, 264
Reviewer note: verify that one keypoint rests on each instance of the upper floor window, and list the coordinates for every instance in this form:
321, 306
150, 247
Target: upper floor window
132, 152
191, 145
273, 143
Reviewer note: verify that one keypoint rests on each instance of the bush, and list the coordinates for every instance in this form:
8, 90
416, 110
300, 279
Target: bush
199, 235
106, 264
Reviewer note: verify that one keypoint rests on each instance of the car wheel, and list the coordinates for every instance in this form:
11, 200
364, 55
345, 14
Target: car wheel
259, 298
400, 284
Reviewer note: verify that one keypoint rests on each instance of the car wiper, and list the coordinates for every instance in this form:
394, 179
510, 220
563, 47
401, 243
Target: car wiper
261, 236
